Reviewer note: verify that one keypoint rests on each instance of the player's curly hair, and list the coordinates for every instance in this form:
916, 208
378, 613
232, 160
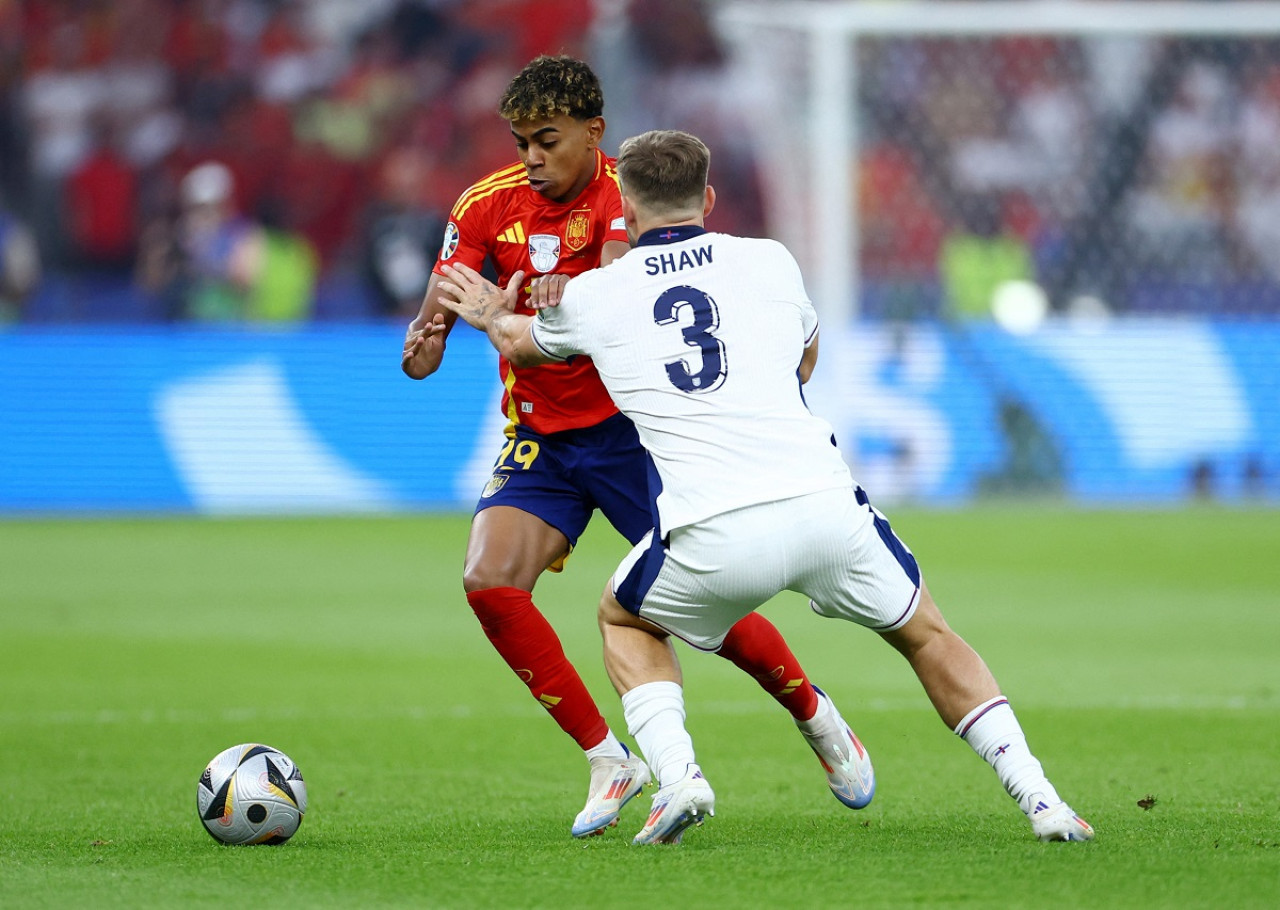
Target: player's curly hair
548, 86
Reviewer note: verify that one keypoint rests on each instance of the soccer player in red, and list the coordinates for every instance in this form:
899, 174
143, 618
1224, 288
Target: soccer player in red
568, 451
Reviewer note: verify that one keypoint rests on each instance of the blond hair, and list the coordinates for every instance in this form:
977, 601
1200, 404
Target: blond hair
664, 170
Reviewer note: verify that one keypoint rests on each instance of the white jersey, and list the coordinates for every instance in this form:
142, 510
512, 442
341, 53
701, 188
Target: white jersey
698, 340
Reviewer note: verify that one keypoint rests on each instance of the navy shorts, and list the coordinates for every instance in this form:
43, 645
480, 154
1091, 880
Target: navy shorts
564, 477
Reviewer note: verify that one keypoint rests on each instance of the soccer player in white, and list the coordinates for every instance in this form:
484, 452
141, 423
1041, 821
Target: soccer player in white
703, 340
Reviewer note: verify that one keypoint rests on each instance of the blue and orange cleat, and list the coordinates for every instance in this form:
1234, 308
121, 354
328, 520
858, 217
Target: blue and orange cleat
849, 773
678, 807
613, 784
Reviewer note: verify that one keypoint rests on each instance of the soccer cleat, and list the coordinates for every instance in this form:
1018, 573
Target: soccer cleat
613, 784
1057, 822
681, 805
849, 773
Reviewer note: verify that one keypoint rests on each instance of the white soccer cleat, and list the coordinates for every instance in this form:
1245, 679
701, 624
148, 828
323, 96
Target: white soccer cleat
613, 784
849, 773
683, 804
1057, 822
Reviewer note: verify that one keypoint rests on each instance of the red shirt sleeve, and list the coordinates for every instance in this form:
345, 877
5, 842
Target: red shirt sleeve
465, 238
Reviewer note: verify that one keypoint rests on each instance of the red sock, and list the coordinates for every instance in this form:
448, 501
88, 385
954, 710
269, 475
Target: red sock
532, 649
754, 644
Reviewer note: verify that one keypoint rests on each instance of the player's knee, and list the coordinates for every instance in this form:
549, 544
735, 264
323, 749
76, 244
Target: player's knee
925, 626
610, 612
476, 579
481, 574
504, 567
608, 609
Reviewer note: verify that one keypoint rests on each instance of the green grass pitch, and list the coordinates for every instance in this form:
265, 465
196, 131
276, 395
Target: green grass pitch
1140, 648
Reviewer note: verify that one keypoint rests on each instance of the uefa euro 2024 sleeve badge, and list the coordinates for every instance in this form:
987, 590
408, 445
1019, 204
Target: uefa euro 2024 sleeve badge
450, 244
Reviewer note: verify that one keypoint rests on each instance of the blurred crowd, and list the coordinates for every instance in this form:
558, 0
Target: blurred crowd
1138, 174
279, 160
224, 157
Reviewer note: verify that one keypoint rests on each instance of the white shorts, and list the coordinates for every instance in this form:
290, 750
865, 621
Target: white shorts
831, 546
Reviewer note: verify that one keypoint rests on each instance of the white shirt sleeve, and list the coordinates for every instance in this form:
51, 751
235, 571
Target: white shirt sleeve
789, 272
556, 330
809, 317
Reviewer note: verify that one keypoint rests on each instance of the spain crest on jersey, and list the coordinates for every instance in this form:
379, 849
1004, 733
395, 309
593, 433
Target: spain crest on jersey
544, 251
578, 231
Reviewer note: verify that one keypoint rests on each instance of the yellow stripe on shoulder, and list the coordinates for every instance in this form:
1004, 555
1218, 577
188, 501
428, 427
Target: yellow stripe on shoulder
500, 175
509, 176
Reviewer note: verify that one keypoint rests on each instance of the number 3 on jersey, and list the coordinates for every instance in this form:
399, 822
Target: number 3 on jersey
699, 334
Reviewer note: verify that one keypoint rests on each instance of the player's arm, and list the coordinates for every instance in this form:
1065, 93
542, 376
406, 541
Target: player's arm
613, 249
491, 310
546, 290
809, 359
425, 338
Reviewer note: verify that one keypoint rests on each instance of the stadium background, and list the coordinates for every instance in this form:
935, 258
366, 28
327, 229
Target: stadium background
1113, 191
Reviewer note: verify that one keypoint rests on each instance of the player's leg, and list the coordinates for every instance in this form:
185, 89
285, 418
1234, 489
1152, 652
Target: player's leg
805, 528
698, 584
755, 646
969, 701
653, 704
872, 578
953, 675
652, 695
507, 551
618, 482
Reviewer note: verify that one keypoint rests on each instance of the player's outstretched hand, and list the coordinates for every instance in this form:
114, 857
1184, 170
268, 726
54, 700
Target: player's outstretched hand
424, 348
546, 291
475, 298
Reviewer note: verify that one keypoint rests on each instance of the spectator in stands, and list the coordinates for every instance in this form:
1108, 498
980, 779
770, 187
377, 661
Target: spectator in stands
1257, 171
1050, 124
101, 199
674, 72
19, 266
138, 85
213, 264
1180, 209
60, 92
402, 235
979, 255
901, 228
301, 100
221, 248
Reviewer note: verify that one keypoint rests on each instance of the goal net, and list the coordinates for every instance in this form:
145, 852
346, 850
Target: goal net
931, 160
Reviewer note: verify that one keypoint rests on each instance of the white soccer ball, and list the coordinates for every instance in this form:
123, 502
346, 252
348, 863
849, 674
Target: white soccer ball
251, 794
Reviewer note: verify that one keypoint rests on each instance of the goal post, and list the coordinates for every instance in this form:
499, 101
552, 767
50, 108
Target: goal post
826, 62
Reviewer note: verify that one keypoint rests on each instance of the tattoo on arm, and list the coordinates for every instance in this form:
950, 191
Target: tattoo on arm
485, 309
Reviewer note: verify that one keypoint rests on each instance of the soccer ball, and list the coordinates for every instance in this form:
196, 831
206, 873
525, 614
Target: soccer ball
251, 794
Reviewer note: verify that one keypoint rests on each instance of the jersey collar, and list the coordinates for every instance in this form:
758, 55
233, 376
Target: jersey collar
660, 236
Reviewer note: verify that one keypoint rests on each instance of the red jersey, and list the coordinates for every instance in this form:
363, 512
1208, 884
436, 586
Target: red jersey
502, 218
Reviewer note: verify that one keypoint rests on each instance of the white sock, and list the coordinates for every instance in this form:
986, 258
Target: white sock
609, 749
992, 730
823, 718
655, 717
